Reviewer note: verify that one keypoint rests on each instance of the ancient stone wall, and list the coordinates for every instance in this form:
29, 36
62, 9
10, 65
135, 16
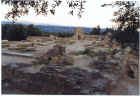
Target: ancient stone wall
78, 34
37, 38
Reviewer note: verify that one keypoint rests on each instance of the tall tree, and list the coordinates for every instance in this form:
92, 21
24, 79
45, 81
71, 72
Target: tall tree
4, 31
16, 32
33, 31
95, 31
127, 18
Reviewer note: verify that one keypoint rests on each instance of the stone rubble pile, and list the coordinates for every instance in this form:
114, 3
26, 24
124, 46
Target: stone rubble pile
55, 56
54, 80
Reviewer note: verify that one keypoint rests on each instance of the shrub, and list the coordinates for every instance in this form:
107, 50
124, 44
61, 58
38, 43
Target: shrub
87, 52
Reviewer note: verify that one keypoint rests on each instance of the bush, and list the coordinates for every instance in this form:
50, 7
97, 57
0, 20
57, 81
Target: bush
87, 52
127, 38
33, 31
95, 31
15, 32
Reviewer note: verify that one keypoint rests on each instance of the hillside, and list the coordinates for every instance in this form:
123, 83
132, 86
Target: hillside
52, 28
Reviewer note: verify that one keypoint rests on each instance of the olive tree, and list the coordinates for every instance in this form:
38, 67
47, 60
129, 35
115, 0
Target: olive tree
41, 7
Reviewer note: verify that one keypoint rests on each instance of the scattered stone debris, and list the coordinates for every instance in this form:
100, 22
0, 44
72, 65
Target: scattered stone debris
131, 62
78, 34
66, 81
52, 75
7, 52
24, 45
55, 56
108, 40
5, 45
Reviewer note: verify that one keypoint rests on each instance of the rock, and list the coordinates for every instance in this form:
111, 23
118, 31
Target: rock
24, 45
100, 86
12, 53
78, 34
29, 49
14, 66
4, 41
56, 56
66, 81
56, 51
51, 69
86, 91
111, 67
22, 48
14, 48
130, 64
127, 50
52, 37
5, 45
117, 55
99, 50
41, 83
62, 60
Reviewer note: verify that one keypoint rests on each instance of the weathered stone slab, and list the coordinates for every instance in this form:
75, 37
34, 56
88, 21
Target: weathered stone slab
4, 41
16, 54
24, 45
5, 45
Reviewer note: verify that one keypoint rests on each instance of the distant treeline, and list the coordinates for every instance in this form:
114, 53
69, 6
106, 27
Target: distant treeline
16, 32
127, 37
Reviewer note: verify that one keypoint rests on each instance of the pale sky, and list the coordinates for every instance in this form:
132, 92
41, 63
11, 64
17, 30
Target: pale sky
94, 15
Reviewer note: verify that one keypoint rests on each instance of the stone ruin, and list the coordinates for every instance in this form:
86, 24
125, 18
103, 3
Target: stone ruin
110, 42
52, 37
5, 43
41, 38
78, 34
131, 62
53, 80
115, 44
67, 80
55, 56
22, 46
107, 40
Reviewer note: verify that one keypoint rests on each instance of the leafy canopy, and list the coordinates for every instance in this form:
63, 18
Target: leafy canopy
127, 16
41, 7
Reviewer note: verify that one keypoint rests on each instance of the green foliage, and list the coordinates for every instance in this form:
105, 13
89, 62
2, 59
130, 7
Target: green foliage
87, 52
33, 31
128, 19
41, 7
127, 15
127, 37
14, 32
95, 31
65, 34
20, 32
109, 30
4, 31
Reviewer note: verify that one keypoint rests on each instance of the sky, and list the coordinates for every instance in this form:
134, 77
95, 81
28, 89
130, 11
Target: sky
93, 16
